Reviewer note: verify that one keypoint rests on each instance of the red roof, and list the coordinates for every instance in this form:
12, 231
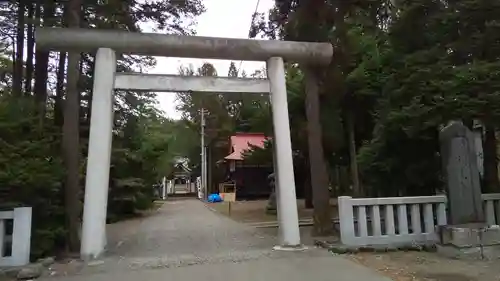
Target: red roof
242, 141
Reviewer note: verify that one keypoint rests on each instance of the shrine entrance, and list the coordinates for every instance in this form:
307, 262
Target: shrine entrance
107, 44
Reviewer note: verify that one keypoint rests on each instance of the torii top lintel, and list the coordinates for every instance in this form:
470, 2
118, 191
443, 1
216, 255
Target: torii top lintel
155, 44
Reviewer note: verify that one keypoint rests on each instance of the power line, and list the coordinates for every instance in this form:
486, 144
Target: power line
250, 29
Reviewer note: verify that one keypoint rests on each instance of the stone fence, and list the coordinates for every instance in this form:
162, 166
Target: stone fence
400, 220
15, 237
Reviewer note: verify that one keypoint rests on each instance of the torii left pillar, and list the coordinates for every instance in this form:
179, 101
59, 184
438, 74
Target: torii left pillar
99, 156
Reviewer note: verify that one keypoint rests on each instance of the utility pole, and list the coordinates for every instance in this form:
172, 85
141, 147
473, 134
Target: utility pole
203, 155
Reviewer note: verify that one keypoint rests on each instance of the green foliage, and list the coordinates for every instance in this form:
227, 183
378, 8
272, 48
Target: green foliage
144, 141
31, 171
403, 68
422, 83
224, 114
259, 155
144, 151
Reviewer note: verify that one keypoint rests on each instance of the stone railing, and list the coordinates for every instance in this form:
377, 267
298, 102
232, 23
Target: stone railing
393, 221
15, 237
491, 205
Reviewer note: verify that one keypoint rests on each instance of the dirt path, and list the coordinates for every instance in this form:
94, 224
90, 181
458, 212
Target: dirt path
423, 266
186, 233
184, 240
254, 211
185, 227
181, 232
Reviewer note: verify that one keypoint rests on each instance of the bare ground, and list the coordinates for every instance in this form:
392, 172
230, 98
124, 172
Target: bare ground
255, 211
400, 266
179, 233
130, 239
183, 240
424, 266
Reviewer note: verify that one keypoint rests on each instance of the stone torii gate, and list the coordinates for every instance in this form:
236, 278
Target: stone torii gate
107, 43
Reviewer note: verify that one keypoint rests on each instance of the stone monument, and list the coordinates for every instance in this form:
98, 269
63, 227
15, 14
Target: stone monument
467, 235
272, 207
463, 185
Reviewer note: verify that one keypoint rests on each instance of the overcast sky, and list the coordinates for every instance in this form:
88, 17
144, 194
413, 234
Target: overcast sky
223, 18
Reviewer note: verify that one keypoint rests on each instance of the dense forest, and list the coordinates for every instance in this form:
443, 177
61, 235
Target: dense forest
45, 114
401, 69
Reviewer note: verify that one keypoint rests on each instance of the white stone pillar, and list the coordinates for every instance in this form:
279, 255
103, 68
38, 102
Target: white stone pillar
163, 188
198, 186
21, 237
276, 190
191, 188
346, 219
99, 156
286, 198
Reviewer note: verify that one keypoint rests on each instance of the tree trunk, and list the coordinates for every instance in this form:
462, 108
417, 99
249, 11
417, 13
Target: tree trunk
319, 175
344, 182
272, 203
87, 114
30, 50
41, 77
17, 83
338, 181
490, 160
308, 192
356, 188
71, 137
58, 100
42, 64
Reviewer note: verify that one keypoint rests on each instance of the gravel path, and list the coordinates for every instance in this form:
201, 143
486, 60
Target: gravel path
182, 232
187, 227
186, 233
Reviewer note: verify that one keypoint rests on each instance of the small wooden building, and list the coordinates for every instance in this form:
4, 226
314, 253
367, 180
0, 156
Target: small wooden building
182, 177
247, 181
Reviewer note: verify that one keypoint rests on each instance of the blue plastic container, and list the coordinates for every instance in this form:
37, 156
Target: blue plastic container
214, 198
